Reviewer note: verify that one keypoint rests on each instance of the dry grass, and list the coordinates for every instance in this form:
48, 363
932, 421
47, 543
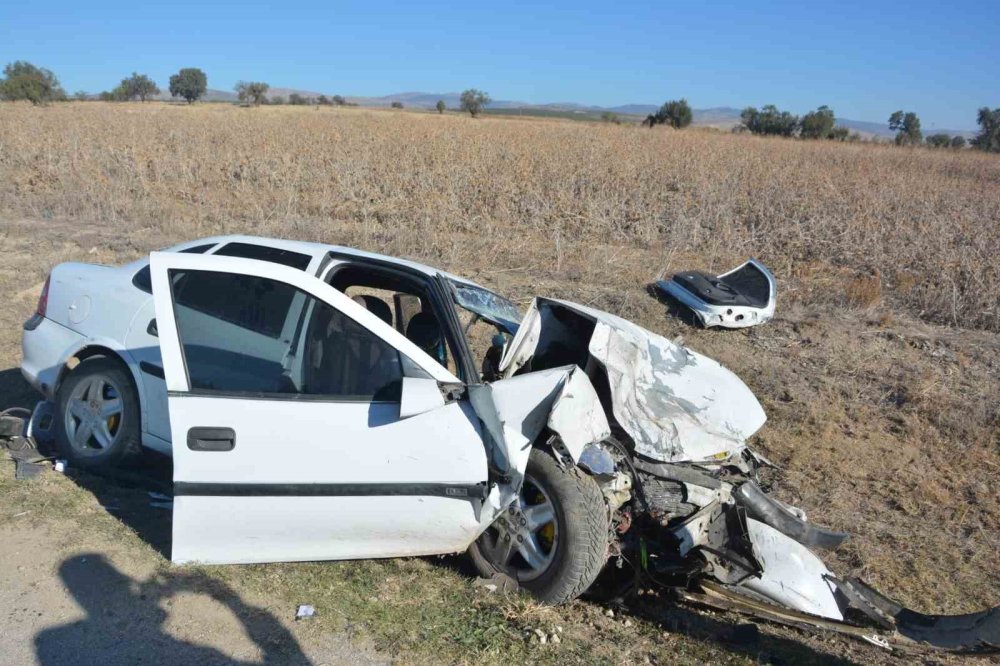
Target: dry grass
885, 426
927, 221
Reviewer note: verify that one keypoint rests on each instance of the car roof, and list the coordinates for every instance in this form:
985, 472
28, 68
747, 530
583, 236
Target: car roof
314, 249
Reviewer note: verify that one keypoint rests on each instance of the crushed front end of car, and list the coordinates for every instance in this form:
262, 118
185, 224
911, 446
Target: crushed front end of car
681, 483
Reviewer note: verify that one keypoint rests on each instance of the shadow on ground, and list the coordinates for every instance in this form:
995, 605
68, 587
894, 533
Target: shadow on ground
15, 392
674, 308
138, 496
126, 620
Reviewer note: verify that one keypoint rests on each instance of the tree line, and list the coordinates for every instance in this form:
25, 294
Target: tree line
822, 124
24, 81
771, 121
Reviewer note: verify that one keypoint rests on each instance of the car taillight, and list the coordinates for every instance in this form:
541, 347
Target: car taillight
43, 299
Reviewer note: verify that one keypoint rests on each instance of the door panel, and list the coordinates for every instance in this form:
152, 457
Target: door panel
311, 480
304, 528
298, 442
305, 476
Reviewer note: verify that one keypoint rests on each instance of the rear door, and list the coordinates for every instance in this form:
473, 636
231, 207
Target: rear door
284, 399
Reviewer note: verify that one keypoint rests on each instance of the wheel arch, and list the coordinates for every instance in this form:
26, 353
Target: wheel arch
96, 350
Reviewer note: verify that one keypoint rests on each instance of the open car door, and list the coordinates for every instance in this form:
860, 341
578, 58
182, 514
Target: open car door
303, 426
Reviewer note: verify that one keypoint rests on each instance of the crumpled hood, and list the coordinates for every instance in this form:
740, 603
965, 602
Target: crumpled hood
676, 404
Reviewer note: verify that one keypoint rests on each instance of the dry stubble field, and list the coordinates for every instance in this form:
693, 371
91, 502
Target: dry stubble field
879, 373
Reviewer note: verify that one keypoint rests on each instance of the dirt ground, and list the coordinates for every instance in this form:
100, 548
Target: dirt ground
69, 598
883, 427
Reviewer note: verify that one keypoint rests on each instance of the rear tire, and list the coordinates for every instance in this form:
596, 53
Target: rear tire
579, 533
97, 415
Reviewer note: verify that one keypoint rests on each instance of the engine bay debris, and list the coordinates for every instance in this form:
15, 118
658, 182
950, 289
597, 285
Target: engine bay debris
693, 509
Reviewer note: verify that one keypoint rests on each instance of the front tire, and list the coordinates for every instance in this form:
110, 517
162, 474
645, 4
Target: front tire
554, 539
97, 415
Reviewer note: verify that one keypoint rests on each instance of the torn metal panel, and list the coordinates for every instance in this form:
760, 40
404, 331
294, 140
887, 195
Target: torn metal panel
791, 575
740, 298
897, 627
675, 404
727, 598
741, 550
693, 532
577, 416
515, 410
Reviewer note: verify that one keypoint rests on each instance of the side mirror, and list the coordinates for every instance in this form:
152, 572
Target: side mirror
419, 395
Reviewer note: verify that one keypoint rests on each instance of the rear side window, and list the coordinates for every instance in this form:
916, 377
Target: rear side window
143, 282
264, 253
197, 249
225, 323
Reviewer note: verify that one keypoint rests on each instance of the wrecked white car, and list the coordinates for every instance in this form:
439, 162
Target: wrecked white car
339, 404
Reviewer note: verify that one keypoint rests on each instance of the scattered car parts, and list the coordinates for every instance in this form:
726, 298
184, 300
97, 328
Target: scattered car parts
741, 298
695, 505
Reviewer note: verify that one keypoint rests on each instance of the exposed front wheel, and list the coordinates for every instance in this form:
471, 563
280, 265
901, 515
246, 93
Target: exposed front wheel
554, 539
97, 415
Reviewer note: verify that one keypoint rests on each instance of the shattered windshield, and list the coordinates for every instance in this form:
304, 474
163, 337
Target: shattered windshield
489, 306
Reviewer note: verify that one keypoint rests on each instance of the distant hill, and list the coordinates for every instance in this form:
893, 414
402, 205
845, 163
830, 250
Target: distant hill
723, 117
285, 92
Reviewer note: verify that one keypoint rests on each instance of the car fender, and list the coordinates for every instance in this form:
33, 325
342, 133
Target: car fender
515, 411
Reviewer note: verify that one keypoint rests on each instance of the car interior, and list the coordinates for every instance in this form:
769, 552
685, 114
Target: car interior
400, 300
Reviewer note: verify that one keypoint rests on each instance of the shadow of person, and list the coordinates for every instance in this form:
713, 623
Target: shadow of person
125, 621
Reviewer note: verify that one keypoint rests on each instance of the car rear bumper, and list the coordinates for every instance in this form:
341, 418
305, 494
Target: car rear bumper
45, 347
727, 316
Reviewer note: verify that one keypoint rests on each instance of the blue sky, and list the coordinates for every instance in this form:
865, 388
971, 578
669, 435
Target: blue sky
863, 59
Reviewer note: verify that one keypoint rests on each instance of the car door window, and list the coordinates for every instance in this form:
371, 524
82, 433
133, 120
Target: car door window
411, 311
252, 303
344, 359
249, 334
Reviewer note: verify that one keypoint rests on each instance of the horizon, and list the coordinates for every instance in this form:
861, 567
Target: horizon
584, 53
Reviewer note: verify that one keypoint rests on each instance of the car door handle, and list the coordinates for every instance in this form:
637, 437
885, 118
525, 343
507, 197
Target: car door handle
152, 329
211, 439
